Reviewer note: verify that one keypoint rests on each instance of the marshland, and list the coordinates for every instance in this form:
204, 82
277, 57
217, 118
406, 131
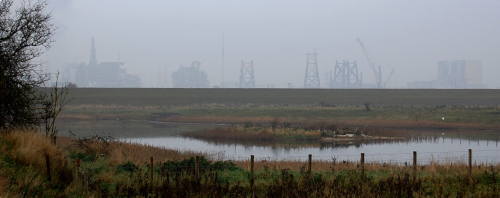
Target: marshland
121, 144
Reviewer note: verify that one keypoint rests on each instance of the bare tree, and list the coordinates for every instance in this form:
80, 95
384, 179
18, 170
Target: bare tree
25, 33
52, 106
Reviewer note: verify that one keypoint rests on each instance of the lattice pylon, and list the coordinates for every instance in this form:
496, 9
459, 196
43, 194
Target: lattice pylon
247, 79
311, 79
346, 76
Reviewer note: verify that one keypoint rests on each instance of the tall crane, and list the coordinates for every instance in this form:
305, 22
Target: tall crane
378, 74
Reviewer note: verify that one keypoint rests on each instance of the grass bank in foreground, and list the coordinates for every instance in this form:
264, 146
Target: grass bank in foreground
120, 169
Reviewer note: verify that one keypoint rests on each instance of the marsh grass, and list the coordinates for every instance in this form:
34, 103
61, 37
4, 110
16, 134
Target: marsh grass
422, 117
124, 171
321, 131
128, 151
23, 165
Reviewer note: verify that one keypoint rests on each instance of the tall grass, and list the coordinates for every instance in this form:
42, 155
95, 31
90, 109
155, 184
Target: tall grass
129, 151
23, 164
124, 171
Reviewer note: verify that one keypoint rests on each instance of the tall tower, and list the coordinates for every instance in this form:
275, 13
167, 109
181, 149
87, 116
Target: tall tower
247, 79
345, 76
311, 79
93, 59
222, 81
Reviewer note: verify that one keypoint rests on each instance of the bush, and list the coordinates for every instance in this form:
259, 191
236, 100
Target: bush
188, 165
126, 167
90, 148
82, 156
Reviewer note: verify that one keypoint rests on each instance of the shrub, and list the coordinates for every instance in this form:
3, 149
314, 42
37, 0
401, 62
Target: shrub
126, 167
93, 147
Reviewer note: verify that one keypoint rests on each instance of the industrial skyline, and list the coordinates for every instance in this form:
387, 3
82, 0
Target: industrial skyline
410, 36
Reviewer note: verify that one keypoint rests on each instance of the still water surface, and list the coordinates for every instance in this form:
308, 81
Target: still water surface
432, 146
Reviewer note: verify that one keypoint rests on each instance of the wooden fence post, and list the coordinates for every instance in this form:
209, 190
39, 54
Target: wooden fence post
151, 171
98, 188
251, 174
47, 163
309, 165
414, 166
80, 186
470, 163
197, 167
362, 167
85, 185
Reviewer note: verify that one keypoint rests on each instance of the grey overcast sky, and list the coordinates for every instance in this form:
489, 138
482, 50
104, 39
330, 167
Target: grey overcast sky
153, 35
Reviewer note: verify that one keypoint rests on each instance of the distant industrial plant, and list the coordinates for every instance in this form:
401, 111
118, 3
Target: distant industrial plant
190, 77
453, 74
104, 74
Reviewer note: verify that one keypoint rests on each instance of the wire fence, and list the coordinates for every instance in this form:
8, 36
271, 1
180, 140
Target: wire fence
153, 176
480, 157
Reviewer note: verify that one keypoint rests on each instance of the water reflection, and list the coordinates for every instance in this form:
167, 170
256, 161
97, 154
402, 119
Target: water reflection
442, 150
444, 146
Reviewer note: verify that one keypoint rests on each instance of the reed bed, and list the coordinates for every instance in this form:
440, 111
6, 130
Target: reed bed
122, 169
23, 165
118, 152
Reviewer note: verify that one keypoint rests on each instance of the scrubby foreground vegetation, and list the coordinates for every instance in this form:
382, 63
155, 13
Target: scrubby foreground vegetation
110, 168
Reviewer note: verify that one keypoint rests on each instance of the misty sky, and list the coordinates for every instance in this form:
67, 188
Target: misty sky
153, 35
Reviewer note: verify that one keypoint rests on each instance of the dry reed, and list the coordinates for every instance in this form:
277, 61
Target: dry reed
135, 152
29, 148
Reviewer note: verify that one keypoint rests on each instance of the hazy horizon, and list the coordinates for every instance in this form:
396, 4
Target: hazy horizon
152, 36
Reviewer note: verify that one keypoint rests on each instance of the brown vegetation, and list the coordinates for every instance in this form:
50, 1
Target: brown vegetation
329, 177
120, 152
29, 149
362, 123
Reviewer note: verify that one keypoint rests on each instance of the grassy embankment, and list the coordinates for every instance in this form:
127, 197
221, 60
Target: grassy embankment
122, 169
262, 105
387, 117
273, 122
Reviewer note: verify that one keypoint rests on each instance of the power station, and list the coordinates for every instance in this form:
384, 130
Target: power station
104, 74
452, 74
455, 74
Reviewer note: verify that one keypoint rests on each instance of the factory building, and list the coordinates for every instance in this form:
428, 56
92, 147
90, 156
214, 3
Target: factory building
190, 77
460, 74
455, 74
104, 74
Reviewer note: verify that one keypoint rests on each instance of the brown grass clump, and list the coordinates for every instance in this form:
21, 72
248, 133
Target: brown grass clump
23, 165
120, 152
141, 154
29, 148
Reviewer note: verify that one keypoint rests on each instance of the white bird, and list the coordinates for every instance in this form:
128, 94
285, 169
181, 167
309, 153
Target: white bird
443, 118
